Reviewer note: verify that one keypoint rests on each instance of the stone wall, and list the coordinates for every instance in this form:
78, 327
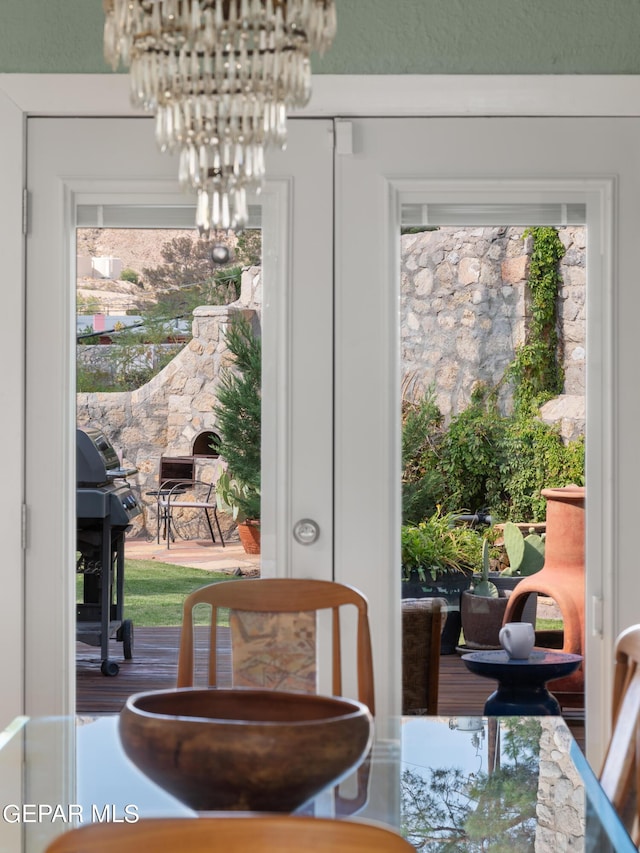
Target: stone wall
464, 307
558, 782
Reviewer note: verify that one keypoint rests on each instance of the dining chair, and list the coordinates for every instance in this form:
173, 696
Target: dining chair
620, 775
275, 834
422, 622
273, 624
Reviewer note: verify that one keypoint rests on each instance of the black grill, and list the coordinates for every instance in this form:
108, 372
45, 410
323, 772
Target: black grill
105, 506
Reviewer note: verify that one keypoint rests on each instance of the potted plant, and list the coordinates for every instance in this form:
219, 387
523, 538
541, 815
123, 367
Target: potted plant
238, 412
231, 496
438, 560
483, 605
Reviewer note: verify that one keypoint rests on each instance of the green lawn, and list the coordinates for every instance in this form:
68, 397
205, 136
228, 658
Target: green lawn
154, 592
549, 624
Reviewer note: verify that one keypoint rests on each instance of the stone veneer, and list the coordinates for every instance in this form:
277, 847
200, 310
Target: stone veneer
464, 307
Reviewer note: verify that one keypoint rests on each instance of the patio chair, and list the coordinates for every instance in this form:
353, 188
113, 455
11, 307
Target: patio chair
282, 833
186, 495
620, 775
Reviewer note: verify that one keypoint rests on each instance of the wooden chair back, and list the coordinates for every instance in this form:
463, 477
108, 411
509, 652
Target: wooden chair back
422, 620
268, 596
272, 834
620, 776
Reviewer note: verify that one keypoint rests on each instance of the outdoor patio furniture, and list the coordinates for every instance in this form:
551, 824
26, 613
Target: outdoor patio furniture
186, 495
421, 633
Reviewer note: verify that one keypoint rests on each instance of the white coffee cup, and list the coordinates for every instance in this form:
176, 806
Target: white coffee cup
517, 639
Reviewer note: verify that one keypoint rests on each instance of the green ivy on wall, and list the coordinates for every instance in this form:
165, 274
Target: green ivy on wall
536, 369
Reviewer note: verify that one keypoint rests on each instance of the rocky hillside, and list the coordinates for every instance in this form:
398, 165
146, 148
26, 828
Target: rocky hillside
138, 249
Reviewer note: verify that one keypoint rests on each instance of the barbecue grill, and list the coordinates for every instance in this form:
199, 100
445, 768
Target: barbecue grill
105, 506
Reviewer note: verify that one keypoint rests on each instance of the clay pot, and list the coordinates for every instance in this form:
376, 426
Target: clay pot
249, 533
561, 578
481, 620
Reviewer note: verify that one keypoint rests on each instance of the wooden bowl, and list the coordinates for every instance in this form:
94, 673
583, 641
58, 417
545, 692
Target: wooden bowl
242, 749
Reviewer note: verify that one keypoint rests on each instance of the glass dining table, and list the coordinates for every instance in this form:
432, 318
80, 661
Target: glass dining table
459, 784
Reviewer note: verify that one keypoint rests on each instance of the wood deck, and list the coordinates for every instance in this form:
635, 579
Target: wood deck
154, 664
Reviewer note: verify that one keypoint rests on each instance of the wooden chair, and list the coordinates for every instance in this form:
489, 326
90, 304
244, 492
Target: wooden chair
620, 775
422, 624
269, 652
272, 834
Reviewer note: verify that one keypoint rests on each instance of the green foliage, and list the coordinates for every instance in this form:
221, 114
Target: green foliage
188, 278
87, 304
249, 247
536, 368
535, 457
229, 494
422, 481
238, 412
437, 546
526, 553
471, 453
130, 360
130, 275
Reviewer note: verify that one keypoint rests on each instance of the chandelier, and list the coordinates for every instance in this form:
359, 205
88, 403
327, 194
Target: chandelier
220, 76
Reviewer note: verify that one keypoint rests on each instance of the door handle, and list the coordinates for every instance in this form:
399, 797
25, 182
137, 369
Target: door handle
306, 531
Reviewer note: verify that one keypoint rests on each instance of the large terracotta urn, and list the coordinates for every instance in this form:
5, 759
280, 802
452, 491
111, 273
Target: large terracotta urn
561, 578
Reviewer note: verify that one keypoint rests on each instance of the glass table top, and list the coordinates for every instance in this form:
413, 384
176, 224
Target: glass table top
460, 784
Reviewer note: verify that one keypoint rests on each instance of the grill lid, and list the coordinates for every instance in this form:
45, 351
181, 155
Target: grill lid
96, 459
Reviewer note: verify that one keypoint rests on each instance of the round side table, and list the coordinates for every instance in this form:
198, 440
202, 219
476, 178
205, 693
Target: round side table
522, 683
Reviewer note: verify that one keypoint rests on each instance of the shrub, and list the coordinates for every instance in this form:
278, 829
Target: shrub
422, 484
130, 275
437, 546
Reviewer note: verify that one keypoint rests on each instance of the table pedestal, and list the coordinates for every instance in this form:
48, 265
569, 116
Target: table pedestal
522, 683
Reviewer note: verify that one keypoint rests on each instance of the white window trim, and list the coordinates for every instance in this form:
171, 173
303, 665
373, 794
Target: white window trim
363, 95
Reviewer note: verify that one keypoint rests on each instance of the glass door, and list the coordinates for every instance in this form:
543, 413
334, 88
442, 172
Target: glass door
482, 162
85, 172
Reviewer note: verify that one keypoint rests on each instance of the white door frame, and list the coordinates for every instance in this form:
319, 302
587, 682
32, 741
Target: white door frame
334, 96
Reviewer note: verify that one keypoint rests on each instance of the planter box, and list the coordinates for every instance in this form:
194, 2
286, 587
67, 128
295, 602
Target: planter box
449, 587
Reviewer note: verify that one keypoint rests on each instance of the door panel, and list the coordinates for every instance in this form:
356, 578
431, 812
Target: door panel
477, 161
91, 161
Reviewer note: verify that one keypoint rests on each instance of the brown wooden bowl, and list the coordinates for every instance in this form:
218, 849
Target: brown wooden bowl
243, 749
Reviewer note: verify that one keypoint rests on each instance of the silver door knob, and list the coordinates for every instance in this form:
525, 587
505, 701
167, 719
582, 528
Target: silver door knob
306, 531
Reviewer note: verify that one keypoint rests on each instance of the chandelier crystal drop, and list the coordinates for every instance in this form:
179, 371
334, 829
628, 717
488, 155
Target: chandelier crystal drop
220, 76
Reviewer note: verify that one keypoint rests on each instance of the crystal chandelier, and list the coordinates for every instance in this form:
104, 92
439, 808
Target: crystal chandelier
219, 76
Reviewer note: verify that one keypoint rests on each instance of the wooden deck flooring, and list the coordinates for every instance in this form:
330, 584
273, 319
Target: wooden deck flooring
154, 664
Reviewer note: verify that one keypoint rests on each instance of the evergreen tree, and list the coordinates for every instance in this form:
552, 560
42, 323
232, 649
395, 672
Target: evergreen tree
238, 412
